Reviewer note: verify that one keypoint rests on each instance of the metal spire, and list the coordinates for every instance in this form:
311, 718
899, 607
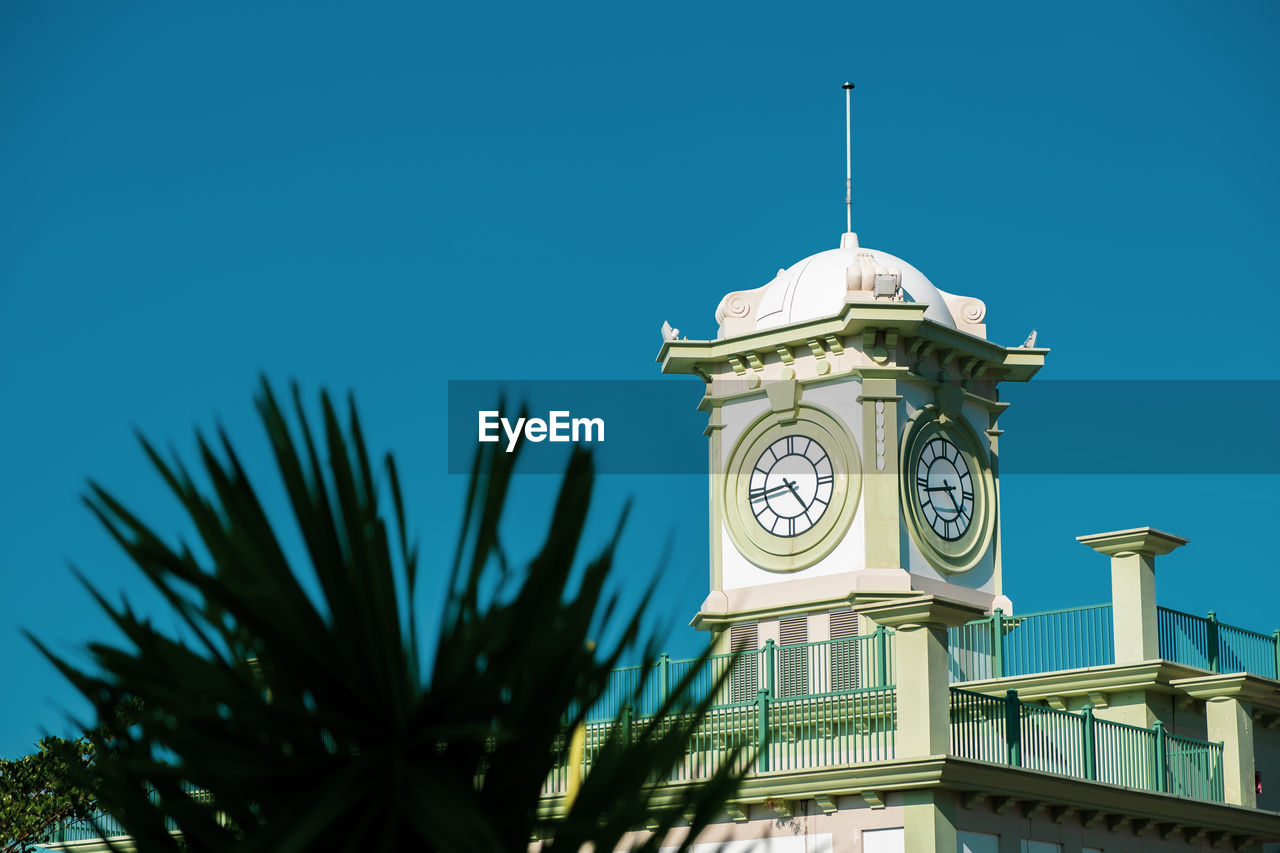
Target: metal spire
848, 157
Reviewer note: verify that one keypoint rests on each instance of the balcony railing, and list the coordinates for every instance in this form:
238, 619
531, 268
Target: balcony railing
1206, 643
1020, 734
108, 826
773, 734
1000, 646
829, 667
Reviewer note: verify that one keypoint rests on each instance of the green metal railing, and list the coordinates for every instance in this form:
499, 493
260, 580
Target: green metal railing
829, 667
828, 730
997, 646
1206, 643
108, 826
1021, 734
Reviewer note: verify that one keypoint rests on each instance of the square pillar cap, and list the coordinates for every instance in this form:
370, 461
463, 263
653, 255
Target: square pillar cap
1146, 541
1241, 686
922, 610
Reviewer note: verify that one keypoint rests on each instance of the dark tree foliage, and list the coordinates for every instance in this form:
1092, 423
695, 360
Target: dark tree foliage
42, 790
308, 722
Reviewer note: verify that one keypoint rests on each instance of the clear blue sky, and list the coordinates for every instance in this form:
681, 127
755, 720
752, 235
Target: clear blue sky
382, 197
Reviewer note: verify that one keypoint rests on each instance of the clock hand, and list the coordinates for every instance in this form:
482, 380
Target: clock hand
768, 493
792, 486
949, 489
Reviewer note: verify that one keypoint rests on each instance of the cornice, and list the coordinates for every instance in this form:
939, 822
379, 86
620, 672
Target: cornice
1146, 541
1262, 693
975, 357
1158, 675
1002, 786
923, 610
718, 620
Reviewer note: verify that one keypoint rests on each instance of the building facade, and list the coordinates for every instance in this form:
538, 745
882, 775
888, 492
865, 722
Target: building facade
892, 698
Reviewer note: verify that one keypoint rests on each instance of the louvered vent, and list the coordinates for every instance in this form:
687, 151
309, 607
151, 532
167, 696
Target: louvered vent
846, 652
793, 657
745, 680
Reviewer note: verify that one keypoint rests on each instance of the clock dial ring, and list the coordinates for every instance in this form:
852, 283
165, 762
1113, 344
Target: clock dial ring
947, 490
785, 539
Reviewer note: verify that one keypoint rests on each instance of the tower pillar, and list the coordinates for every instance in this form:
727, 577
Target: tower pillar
1133, 587
923, 693
880, 428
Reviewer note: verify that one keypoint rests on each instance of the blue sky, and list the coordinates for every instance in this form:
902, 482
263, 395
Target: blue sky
383, 197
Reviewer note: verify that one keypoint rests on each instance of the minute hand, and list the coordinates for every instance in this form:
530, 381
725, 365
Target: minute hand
950, 490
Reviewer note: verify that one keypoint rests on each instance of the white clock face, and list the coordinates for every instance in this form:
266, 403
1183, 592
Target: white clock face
791, 485
944, 489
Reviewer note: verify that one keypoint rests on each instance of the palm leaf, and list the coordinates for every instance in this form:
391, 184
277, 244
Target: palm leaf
305, 717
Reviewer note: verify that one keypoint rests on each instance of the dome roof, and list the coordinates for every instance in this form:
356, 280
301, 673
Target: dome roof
820, 286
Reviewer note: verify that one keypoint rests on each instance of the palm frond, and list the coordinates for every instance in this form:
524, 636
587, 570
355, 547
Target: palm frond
304, 718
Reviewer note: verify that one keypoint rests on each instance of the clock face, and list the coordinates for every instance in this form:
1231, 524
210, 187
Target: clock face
944, 489
791, 485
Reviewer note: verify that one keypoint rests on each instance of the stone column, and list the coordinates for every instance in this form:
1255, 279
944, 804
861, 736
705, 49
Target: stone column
880, 401
923, 701
1231, 721
1228, 704
1133, 587
928, 821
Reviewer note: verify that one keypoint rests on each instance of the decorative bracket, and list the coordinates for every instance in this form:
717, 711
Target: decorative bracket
1000, 805
782, 808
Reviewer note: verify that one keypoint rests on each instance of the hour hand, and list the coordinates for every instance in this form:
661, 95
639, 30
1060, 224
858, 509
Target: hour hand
761, 494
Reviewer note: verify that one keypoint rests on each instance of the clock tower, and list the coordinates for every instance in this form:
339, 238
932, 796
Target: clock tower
854, 446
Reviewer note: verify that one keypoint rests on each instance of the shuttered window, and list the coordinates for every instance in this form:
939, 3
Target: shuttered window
793, 657
745, 679
846, 652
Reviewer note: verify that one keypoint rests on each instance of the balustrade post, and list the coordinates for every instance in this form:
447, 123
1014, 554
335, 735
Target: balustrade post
1211, 642
882, 655
1160, 771
1275, 638
1090, 747
997, 643
1013, 728
626, 723
762, 736
664, 678
770, 668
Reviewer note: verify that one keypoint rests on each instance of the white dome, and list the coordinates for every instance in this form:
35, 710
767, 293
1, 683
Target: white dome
821, 286
816, 287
